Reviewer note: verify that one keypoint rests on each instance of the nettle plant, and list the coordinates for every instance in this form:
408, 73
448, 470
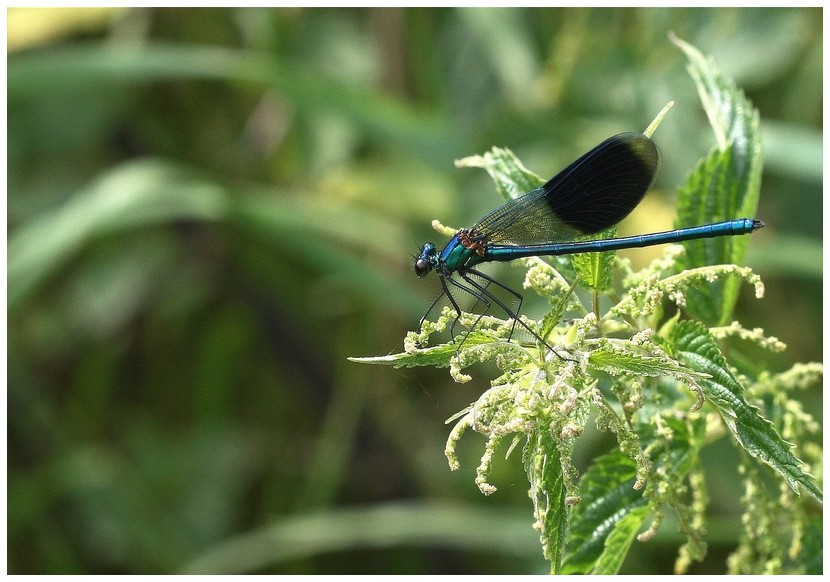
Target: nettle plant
650, 369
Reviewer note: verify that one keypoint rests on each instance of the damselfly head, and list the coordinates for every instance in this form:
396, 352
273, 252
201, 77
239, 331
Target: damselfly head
423, 262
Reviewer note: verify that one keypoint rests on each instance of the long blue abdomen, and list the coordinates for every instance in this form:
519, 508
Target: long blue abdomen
727, 228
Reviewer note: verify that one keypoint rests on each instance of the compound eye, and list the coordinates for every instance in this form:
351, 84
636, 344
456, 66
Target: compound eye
422, 267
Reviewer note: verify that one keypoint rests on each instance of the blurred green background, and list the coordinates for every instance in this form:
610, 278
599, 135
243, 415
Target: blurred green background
210, 209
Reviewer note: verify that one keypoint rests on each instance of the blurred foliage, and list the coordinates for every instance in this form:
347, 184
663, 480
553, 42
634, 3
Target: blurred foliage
209, 209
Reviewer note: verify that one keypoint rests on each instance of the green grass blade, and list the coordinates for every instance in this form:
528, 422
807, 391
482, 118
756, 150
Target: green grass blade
129, 196
388, 525
86, 66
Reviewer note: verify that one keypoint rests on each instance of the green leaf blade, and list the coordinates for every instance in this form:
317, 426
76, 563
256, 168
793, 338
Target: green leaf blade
595, 270
603, 526
724, 185
698, 349
548, 492
619, 541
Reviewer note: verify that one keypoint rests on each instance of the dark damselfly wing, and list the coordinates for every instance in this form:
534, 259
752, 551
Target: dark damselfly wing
592, 194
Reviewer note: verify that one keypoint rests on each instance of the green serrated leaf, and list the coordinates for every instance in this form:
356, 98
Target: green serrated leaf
595, 270
698, 349
473, 345
438, 356
619, 541
621, 357
608, 490
548, 492
725, 185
